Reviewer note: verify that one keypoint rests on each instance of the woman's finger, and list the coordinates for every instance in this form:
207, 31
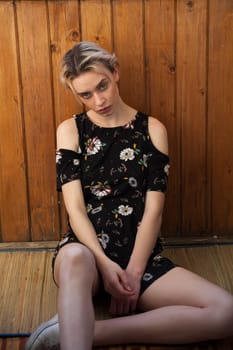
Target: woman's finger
125, 282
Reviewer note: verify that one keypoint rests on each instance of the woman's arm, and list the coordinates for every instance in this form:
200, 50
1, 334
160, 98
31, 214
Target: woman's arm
152, 218
67, 138
145, 241
148, 230
114, 277
147, 234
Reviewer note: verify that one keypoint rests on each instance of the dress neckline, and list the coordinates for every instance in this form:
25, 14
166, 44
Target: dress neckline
127, 125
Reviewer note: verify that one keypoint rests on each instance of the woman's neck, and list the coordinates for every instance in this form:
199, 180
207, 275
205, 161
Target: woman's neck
120, 115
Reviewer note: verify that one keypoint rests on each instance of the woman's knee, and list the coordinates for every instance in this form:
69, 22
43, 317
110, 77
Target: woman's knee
221, 315
226, 316
74, 261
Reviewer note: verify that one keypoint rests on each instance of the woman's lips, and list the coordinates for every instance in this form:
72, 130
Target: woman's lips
104, 110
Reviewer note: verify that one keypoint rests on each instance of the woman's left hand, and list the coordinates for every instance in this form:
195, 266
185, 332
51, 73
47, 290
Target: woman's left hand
127, 304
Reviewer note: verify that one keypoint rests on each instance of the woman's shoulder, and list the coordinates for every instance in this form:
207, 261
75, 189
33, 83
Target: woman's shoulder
155, 124
67, 133
158, 134
67, 124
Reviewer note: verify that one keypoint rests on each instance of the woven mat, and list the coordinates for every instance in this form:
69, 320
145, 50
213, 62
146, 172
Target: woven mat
29, 296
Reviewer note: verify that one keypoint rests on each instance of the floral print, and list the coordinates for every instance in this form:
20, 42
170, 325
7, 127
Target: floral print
147, 276
133, 182
166, 169
127, 154
97, 209
125, 210
116, 167
143, 161
101, 189
94, 145
58, 156
104, 239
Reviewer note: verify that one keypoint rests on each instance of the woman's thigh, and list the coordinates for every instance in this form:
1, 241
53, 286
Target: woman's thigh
182, 287
79, 255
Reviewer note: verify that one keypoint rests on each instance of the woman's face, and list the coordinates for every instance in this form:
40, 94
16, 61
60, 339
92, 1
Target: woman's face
98, 90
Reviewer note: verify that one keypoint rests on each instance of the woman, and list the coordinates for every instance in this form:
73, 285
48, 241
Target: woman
112, 167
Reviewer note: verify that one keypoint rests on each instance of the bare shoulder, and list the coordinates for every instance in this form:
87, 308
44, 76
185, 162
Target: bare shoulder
158, 134
67, 135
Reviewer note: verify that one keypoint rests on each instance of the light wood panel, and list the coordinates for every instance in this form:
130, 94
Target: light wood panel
191, 111
64, 34
128, 41
14, 214
160, 87
220, 116
39, 117
92, 28
175, 63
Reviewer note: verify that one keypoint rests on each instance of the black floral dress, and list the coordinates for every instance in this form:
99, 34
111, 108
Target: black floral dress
116, 166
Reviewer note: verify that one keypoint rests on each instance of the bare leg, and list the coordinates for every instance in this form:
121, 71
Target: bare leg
180, 307
77, 277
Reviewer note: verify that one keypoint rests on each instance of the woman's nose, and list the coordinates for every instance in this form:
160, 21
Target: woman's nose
99, 99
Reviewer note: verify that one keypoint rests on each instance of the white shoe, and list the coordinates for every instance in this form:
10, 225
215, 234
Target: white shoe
45, 337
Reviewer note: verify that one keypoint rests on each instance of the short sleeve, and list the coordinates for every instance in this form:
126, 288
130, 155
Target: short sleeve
67, 166
158, 167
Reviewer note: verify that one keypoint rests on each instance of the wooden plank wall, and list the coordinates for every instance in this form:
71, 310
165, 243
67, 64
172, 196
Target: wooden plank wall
176, 63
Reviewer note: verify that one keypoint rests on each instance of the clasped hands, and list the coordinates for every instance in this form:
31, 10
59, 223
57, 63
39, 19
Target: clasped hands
123, 286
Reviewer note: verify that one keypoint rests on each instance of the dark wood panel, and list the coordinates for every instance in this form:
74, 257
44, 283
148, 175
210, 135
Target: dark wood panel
14, 215
94, 29
160, 69
129, 47
64, 34
191, 112
39, 120
175, 62
220, 116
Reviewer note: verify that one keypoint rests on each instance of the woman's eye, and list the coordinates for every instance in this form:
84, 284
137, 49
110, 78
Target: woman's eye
86, 95
103, 86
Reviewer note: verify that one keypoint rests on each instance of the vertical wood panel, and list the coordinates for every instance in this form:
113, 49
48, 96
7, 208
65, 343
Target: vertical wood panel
94, 29
38, 112
160, 57
129, 47
165, 67
220, 115
13, 189
191, 101
64, 34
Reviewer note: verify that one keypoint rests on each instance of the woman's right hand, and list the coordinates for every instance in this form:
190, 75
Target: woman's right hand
115, 279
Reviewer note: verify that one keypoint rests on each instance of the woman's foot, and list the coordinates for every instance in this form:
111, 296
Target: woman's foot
46, 336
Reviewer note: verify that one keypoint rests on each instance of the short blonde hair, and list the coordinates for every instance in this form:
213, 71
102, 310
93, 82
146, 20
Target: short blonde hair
85, 56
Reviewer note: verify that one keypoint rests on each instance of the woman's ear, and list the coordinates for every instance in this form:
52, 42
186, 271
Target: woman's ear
116, 74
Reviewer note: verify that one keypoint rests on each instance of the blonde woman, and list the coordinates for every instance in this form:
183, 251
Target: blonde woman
112, 168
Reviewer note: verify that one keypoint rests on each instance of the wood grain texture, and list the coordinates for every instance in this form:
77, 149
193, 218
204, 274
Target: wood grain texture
129, 47
175, 63
191, 111
92, 28
220, 116
29, 293
39, 118
19, 343
33, 298
161, 78
14, 215
64, 34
